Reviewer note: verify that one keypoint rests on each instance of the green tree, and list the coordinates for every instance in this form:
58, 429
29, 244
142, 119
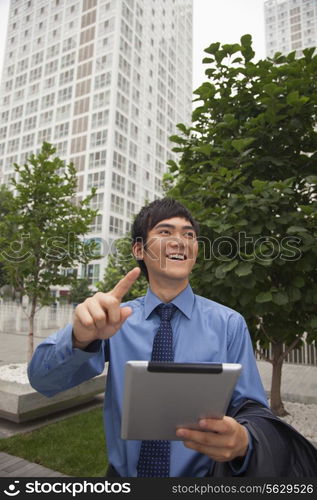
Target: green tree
120, 262
6, 198
50, 228
79, 290
248, 173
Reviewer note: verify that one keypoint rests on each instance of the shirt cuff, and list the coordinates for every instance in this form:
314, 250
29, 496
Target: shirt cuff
240, 465
65, 352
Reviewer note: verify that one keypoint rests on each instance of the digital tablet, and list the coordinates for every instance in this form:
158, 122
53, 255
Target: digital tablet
159, 397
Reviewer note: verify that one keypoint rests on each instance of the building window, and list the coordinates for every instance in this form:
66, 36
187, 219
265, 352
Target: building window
118, 182
66, 77
62, 112
44, 135
28, 140
97, 159
48, 100
65, 94
68, 60
97, 201
92, 273
31, 107
97, 180
61, 130
133, 150
13, 145
100, 119
98, 138
30, 123
96, 224
120, 141
122, 103
102, 80
116, 225
78, 144
117, 204
104, 62
119, 161
123, 84
101, 100
132, 169
131, 189
121, 121
131, 209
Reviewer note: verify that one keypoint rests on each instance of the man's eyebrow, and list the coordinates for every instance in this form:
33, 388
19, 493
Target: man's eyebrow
171, 226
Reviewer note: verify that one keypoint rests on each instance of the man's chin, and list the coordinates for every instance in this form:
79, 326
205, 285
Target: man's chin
174, 275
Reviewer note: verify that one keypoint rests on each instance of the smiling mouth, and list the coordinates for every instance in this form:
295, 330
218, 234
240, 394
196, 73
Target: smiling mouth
177, 257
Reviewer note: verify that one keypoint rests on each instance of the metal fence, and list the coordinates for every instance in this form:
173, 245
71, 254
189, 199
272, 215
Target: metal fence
304, 355
14, 320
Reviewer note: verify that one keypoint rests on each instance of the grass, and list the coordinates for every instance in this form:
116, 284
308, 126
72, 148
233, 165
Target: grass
74, 446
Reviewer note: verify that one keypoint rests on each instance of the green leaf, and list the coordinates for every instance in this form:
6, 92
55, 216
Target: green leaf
296, 229
213, 48
244, 269
313, 322
292, 98
241, 144
298, 282
246, 40
203, 148
280, 298
231, 265
177, 139
207, 60
263, 297
294, 294
173, 165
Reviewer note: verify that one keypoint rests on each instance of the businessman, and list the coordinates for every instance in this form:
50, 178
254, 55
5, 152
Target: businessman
105, 328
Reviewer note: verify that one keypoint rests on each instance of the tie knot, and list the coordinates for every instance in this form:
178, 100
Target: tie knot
166, 311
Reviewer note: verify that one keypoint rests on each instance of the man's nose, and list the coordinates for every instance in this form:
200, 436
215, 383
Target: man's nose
176, 243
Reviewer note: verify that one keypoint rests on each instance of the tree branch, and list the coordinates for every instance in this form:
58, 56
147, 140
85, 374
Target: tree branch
290, 348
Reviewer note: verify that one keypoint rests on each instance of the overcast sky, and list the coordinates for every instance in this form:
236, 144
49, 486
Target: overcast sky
214, 21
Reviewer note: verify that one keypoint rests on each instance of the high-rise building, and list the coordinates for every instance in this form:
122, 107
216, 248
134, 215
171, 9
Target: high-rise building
105, 81
290, 25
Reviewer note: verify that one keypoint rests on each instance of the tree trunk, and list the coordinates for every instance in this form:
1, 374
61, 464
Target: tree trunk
31, 329
277, 364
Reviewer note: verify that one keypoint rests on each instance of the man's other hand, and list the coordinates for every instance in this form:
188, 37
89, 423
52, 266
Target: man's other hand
222, 440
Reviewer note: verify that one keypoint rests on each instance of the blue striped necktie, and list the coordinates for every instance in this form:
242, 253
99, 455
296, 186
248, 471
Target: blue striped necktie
154, 458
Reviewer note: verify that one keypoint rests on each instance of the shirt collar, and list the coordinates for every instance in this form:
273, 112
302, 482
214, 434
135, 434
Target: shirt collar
184, 301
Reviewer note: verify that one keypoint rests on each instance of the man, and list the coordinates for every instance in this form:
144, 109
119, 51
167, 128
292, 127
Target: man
165, 244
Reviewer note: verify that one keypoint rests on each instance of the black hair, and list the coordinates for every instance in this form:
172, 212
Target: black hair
152, 214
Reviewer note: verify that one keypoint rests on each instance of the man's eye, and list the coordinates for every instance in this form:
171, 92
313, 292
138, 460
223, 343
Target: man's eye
164, 231
189, 234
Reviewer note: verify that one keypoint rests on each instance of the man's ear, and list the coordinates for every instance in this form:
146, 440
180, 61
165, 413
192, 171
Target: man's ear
138, 250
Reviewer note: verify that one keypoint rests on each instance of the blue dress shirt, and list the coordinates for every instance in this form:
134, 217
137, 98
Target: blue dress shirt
203, 331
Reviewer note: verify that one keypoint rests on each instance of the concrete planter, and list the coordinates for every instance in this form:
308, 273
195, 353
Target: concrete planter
19, 402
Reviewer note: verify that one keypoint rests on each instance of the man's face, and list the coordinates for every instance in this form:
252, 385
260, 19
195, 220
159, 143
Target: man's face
170, 250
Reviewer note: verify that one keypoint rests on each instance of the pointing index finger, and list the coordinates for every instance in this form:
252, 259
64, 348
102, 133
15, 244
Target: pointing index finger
124, 285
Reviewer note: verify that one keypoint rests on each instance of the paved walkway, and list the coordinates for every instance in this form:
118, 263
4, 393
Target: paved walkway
11, 466
299, 383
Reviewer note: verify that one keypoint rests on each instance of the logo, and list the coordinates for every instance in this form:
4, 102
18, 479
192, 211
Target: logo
12, 490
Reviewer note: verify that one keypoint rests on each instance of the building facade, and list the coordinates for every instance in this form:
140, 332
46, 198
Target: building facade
290, 25
105, 81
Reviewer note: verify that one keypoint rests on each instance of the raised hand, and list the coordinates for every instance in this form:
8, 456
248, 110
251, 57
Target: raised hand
100, 316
